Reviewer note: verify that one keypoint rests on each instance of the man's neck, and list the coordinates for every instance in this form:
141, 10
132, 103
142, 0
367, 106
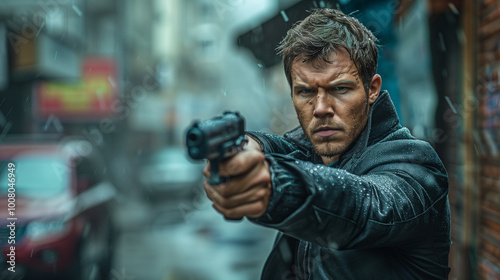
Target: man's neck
328, 160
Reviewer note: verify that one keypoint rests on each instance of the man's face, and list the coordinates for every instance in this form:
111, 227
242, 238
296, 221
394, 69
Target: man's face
331, 103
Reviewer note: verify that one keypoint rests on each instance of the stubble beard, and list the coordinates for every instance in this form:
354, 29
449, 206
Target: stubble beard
329, 147
325, 149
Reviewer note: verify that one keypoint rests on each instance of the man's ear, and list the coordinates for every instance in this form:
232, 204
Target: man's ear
374, 89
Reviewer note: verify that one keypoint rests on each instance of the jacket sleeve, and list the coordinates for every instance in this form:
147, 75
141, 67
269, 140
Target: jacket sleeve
389, 200
270, 143
285, 145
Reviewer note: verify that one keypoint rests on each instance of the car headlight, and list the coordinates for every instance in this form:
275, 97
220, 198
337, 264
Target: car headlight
43, 229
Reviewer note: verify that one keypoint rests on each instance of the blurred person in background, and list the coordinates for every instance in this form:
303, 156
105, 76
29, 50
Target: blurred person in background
379, 17
352, 193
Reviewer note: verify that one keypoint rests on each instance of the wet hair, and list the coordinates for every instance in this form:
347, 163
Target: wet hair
326, 30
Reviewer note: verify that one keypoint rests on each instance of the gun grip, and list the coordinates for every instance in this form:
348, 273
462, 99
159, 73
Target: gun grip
215, 178
214, 172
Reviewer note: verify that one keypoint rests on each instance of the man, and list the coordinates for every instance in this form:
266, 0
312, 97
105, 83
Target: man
352, 193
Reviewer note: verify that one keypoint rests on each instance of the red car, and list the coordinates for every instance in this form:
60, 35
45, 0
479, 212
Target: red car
55, 211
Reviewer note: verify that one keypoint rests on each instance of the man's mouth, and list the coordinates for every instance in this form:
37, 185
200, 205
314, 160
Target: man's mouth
326, 131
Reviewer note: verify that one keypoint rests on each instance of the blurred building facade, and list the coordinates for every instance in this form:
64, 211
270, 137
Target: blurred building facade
464, 45
482, 106
130, 76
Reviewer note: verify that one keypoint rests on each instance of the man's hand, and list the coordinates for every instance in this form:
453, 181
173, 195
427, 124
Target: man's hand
248, 191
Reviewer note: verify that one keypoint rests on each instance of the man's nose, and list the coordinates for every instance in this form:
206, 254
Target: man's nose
322, 105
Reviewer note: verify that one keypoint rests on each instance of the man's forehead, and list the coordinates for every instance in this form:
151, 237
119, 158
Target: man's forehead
337, 65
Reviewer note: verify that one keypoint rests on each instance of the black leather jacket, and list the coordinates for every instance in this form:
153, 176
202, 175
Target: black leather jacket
381, 213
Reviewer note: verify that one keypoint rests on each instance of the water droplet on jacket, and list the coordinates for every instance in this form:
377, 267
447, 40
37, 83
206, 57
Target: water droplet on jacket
333, 245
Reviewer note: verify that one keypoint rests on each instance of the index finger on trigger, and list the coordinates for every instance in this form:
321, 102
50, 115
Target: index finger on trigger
206, 170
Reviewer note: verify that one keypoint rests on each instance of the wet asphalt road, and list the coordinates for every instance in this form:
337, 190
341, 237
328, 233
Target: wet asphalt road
185, 240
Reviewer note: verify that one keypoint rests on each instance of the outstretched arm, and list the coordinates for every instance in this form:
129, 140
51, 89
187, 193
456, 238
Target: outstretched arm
388, 201
271, 143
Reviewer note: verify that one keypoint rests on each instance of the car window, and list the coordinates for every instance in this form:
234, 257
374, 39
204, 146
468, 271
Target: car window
39, 176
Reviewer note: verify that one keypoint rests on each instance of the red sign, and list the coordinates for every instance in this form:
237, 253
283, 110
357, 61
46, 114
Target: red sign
90, 98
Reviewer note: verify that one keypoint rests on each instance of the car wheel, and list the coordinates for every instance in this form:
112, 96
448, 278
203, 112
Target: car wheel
108, 251
95, 253
86, 267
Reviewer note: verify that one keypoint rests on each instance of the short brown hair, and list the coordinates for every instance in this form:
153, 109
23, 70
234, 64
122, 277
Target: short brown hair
326, 30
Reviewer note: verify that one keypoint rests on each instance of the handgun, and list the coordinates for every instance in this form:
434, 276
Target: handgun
216, 139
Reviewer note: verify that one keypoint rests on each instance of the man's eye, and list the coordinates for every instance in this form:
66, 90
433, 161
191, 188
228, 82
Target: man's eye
339, 89
306, 91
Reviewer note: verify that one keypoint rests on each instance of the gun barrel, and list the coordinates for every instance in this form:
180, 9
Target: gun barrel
194, 139
207, 139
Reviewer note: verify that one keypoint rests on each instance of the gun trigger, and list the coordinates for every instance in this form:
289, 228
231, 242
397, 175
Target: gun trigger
242, 139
